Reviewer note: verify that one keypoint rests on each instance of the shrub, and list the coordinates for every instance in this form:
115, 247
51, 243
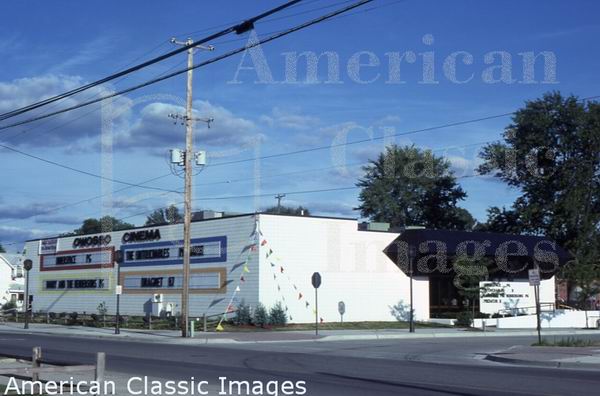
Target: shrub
401, 311
277, 315
243, 317
261, 317
464, 319
9, 305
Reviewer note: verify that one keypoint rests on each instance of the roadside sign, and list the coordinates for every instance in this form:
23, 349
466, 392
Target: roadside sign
316, 280
534, 277
118, 290
341, 307
27, 264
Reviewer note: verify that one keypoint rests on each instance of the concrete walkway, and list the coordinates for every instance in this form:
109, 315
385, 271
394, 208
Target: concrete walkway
174, 337
559, 357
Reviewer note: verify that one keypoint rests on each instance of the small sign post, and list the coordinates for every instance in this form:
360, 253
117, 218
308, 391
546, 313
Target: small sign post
534, 280
27, 265
316, 282
341, 310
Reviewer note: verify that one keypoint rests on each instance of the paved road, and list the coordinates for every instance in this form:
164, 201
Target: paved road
392, 367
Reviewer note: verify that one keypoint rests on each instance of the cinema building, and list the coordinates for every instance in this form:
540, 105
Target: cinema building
270, 258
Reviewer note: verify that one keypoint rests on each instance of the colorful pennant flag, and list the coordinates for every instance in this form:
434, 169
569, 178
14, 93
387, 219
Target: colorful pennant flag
300, 296
281, 269
219, 327
237, 289
307, 304
246, 269
242, 279
263, 243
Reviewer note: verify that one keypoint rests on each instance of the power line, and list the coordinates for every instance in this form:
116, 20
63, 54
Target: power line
300, 192
239, 28
82, 171
202, 64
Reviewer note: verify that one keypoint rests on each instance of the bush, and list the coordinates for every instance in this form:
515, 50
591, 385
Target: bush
243, 317
9, 305
464, 319
277, 315
401, 311
261, 317
73, 318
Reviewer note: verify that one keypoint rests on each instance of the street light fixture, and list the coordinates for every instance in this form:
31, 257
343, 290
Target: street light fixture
412, 253
27, 264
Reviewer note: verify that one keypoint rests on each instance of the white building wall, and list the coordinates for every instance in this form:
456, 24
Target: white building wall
519, 296
352, 264
237, 230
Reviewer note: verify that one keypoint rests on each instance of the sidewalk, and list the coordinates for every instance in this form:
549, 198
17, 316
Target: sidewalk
559, 357
174, 336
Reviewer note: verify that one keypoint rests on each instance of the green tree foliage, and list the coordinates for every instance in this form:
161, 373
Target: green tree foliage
2, 250
243, 317
277, 315
502, 221
261, 317
551, 153
168, 215
288, 210
103, 224
407, 186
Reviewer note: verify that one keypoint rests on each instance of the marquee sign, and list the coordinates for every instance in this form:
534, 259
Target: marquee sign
48, 246
78, 259
202, 250
98, 240
141, 236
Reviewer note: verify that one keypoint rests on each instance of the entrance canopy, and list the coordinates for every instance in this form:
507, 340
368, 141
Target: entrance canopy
434, 251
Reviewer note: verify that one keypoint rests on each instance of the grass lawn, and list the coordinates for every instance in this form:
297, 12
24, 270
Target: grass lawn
568, 342
335, 326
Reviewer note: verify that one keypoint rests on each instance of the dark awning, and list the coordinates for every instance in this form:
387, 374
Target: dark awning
511, 254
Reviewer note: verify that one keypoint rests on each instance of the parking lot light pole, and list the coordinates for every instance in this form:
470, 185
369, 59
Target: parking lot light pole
411, 258
27, 264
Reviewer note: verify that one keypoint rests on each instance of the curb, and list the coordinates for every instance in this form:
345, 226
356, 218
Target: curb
151, 338
551, 364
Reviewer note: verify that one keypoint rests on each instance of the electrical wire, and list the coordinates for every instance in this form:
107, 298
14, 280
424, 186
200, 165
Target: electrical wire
248, 23
202, 64
82, 171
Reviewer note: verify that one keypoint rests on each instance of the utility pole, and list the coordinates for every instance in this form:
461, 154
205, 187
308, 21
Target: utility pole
279, 197
189, 154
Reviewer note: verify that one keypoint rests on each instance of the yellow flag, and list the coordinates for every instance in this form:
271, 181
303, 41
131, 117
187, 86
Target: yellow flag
246, 269
219, 327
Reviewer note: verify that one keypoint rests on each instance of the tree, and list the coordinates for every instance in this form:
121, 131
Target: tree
261, 317
169, 215
551, 152
277, 315
103, 224
408, 186
502, 221
2, 250
288, 210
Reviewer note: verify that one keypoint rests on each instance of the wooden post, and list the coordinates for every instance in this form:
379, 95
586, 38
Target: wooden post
36, 358
100, 367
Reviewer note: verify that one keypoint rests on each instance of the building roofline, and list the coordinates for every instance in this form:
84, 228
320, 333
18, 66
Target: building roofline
199, 221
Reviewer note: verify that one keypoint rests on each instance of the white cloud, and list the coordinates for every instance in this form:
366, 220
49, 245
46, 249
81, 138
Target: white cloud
153, 128
64, 130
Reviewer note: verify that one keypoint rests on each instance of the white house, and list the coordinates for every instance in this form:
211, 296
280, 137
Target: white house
11, 279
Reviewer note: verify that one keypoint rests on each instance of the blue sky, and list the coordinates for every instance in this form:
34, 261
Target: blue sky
49, 47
